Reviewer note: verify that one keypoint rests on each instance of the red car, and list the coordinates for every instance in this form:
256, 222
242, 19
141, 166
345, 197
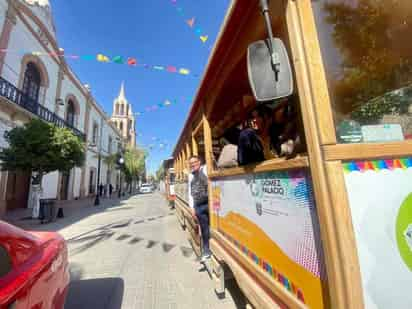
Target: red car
34, 269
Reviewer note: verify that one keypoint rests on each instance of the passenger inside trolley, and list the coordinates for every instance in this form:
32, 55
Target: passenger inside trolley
271, 131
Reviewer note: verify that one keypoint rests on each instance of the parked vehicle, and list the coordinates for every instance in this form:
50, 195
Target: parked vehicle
146, 188
34, 269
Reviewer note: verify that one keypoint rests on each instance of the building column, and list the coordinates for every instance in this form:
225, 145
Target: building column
60, 77
3, 190
9, 22
86, 132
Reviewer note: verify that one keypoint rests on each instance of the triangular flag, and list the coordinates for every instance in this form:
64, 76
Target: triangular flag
382, 165
36, 53
409, 164
404, 163
369, 166
102, 58
87, 57
171, 69
74, 57
191, 22
198, 31
118, 60
184, 71
158, 67
346, 168
167, 102
204, 38
131, 61
360, 165
389, 164
353, 167
397, 164
375, 164
174, 1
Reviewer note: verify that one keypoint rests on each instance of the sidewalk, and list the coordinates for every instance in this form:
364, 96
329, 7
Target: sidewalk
73, 210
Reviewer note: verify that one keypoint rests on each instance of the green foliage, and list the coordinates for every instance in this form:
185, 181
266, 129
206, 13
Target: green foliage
370, 37
41, 147
393, 103
134, 163
160, 173
111, 161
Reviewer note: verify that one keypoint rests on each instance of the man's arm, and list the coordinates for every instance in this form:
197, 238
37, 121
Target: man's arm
189, 189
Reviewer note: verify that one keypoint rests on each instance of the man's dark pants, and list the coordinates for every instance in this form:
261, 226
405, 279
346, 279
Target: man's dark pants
202, 214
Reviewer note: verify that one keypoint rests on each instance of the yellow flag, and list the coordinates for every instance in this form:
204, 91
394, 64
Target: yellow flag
102, 58
184, 71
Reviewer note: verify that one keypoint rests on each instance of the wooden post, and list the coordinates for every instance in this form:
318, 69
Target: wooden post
207, 133
194, 146
343, 273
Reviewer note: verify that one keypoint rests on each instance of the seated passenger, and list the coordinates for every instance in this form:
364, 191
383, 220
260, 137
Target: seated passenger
283, 131
228, 156
254, 140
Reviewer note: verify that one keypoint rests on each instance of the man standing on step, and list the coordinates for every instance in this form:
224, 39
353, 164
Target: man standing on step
198, 200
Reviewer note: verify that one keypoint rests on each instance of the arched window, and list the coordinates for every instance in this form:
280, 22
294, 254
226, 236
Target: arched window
117, 109
121, 109
70, 114
31, 81
121, 127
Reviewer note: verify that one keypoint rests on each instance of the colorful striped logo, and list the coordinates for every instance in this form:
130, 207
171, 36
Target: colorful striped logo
377, 165
291, 287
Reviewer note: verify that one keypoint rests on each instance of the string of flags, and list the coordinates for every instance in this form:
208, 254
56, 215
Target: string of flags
130, 61
157, 106
155, 142
191, 22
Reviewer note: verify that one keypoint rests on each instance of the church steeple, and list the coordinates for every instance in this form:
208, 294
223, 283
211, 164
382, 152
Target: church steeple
122, 96
123, 117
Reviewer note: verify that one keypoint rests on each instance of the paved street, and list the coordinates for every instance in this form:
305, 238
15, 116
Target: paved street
134, 255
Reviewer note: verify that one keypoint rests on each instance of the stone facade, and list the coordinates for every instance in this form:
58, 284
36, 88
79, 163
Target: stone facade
28, 25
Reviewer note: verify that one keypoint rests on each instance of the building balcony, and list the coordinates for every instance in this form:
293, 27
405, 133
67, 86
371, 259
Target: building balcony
15, 95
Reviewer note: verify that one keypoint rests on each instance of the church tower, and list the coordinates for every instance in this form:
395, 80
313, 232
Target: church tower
123, 118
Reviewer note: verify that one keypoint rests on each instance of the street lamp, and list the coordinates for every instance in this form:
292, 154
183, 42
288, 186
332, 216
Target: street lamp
97, 199
121, 162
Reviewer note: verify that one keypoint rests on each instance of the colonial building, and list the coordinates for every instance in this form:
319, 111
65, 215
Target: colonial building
123, 118
42, 85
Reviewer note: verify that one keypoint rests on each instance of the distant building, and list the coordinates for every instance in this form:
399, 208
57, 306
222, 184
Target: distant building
123, 118
36, 82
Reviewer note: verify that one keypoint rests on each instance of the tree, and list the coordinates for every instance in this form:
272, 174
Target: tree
160, 173
41, 148
111, 161
134, 160
370, 36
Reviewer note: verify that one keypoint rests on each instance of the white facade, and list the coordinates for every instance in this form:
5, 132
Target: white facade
26, 26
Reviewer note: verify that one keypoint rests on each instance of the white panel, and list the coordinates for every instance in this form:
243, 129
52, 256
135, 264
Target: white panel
49, 185
3, 9
77, 182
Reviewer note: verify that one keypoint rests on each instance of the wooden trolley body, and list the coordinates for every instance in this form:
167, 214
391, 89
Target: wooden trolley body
338, 179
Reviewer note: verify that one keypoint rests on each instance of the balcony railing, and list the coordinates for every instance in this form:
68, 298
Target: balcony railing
16, 96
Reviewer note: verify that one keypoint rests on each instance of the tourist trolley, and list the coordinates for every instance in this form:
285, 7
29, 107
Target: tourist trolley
330, 227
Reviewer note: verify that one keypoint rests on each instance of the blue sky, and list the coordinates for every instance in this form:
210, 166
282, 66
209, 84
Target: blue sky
153, 32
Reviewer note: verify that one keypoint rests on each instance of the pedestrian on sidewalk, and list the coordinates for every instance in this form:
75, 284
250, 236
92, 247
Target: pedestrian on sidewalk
110, 190
198, 200
101, 190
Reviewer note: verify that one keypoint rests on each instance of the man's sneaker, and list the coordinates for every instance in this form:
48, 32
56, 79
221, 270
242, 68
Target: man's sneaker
205, 257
